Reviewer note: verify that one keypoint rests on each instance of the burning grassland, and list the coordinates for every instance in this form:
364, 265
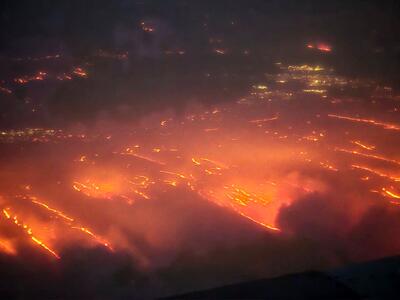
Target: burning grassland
285, 166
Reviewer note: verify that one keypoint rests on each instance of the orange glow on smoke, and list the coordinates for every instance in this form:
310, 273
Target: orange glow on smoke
250, 158
28, 230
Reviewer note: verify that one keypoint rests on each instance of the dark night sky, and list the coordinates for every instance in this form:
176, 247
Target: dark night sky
93, 23
364, 34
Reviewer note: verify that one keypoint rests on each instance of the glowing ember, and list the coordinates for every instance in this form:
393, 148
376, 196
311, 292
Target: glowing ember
368, 121
95, 237
320, 46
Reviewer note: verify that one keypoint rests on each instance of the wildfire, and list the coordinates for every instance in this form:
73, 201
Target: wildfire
44, 246
382, 158
95, 237
78, 71
28, 230
57, 212
363, 145
39, 76
243, 198
250, 156
376, 172
270, 227
320, 46
391, 194
260, 121
368, 121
